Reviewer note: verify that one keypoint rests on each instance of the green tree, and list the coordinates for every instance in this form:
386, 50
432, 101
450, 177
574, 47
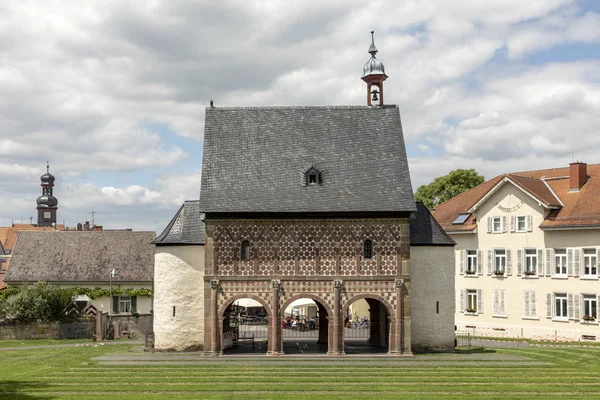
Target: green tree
39, 302
448, 186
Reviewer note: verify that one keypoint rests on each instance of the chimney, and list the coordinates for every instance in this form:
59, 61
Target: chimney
87, 225
578, 173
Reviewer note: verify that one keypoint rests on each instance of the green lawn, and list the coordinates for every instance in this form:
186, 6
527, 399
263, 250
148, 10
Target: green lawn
69, 373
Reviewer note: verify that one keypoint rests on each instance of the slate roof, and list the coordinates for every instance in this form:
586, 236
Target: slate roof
186, 227
8, 234
255, 159
425, 230
551, 187
75, 256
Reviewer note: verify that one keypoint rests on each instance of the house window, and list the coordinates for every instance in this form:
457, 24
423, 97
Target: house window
496, 224
124, 304
590, 308
530, 261
590, 266
521, 223
471, 301
499, 262
560, 305
312, 179
471, 262
368, 249
499, 303
245, 253
560, 260
530, 304
47, 214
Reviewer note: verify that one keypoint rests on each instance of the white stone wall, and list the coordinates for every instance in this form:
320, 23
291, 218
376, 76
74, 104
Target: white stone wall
178, 282
432, 286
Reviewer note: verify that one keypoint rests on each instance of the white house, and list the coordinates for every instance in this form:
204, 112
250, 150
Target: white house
527, 253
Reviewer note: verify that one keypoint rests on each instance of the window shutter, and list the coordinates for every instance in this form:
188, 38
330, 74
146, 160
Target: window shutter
533, 304
462, 262
490, 263
496, 301
570, 305
549, 261
489, 224
526, 303
479, 302
503, 223
540, 262
508, 262
133, 304
115, 304
519, 262
549, 305
577, 262
479, 262
502, 307
577, 306
529, 224
512, 223
461, 302
570, 262
598, 262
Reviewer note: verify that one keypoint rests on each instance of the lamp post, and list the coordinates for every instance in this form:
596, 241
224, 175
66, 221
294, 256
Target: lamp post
113, 272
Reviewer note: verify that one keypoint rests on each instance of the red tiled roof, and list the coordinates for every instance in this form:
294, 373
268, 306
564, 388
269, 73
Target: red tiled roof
575, 208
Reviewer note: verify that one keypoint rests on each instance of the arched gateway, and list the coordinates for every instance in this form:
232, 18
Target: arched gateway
312, 202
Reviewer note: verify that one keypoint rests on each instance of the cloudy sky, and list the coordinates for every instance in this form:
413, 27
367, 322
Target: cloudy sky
113, 93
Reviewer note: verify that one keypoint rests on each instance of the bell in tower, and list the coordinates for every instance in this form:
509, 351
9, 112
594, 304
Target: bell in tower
47, 204
374, 75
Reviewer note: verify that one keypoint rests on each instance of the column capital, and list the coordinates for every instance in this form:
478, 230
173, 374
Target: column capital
275, 284
338, 283
214, 284
398, 283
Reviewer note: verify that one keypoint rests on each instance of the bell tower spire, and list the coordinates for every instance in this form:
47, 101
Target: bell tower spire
374, 75
47, 204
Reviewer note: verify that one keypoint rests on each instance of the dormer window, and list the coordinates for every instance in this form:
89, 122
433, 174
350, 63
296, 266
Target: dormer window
313, 177
461, 219
245, 251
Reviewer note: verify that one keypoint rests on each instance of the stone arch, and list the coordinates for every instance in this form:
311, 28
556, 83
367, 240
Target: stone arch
308, 296
230, 301
382, 300
329, 324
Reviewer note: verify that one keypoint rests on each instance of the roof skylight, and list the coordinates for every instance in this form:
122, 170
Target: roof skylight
462, 217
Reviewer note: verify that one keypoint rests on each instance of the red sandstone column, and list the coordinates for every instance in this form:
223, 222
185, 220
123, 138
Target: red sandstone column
337, 325
214, 311
275, 339
396, 348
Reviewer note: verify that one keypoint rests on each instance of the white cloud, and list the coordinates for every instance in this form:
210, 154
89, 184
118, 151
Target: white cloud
85, 84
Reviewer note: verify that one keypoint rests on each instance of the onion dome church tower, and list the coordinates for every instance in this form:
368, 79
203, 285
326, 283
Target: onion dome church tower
47, 204
374, 75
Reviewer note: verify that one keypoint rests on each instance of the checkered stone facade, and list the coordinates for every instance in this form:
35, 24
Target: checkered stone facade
309, 248
229, 289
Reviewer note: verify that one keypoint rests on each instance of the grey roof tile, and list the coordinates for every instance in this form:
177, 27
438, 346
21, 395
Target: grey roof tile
425, 230
186, 227
75, 256
255, 159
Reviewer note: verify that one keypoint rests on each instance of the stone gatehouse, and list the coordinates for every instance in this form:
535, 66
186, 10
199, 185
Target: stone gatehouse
306, 202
